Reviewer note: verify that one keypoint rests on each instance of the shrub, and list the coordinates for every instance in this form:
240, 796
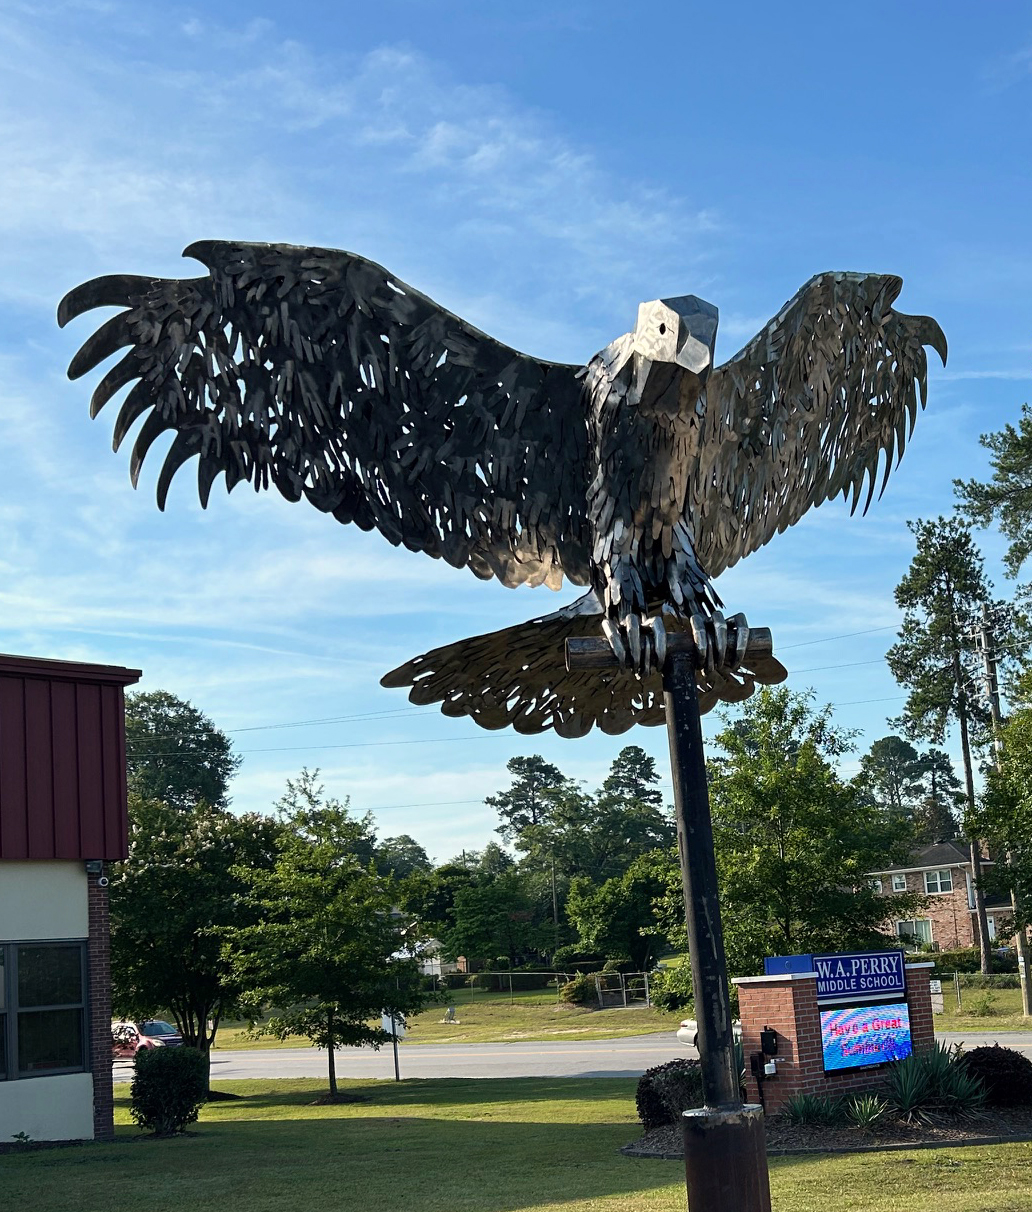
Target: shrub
933, 1081
664, 1091
982, 1005
620, 963
815, 1109
865, 1110
580, 991
969, 959
671, 988
169, 1087
577, 956
1006, 1075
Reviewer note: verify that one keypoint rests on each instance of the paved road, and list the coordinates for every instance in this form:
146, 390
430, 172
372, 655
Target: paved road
586, 1058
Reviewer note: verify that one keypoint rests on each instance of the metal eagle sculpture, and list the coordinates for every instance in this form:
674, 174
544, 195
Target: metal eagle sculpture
642, 475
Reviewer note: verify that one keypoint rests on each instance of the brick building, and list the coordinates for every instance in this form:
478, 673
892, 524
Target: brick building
942, 873
63, 815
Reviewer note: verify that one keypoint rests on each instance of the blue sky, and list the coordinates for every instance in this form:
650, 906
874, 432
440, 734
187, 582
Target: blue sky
540, 169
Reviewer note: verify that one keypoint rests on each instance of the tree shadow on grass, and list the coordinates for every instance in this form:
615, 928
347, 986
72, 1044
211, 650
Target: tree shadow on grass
438, 1091
371, 1163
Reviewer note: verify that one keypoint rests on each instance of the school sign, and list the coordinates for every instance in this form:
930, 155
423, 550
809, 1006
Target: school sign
860, 975
849, 977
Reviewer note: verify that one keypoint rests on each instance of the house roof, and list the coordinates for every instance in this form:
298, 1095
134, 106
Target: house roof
938, 854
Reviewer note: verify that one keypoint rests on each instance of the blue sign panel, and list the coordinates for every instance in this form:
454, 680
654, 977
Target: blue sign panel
859, 976
779, 965
873, 1035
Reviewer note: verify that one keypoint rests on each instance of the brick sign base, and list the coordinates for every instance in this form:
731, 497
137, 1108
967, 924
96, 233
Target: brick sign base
788, 1004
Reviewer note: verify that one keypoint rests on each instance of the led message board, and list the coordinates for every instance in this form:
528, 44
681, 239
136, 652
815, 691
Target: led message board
856, 1036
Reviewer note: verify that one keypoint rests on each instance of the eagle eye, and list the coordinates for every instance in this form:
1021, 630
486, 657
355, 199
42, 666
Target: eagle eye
662, 329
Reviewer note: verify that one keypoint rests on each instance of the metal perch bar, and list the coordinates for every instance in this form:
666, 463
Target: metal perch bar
587, 652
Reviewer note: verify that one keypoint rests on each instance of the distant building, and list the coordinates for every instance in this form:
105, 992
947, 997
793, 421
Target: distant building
941, 872
430, 961
63, 814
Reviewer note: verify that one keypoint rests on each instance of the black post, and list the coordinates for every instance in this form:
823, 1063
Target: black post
725, 1151
394, 1041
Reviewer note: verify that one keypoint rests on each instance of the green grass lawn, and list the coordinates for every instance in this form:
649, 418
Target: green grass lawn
464, 1146
1004, 1004
490, 1018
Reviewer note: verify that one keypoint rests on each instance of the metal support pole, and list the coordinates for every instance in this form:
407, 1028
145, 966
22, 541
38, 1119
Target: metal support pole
394, 1041
699, 876
725, 1149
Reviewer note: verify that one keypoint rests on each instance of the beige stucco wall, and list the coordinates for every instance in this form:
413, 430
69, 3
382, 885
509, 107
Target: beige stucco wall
42, 901
48, 1108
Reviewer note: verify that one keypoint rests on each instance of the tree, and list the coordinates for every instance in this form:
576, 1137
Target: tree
493, 917
526, 802
1005, 812
935, 815
400, 856
325, 952
429, 896
618, 919
919, 788
174, 753
891, 769
1007, 497
942, 595
176, 904
632, 778
794, 843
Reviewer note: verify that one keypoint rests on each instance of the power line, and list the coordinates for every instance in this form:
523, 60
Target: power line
433, 740
845, 636
849, 665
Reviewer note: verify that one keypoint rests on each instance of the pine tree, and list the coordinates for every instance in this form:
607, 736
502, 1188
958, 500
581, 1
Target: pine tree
941, 596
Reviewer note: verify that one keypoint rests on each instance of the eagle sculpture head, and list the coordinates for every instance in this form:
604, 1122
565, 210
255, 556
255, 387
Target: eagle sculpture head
673, 336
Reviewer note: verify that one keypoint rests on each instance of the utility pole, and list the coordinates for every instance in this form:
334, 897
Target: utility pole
987, 650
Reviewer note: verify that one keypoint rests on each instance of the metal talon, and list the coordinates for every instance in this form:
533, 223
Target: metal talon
701, 639
719, 629
612, 634
659, 638
632, 629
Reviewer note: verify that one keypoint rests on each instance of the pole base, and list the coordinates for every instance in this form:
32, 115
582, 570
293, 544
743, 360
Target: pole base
725, 1160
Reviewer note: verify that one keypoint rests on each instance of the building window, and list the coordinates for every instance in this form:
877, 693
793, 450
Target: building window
991, 923
938, 881
899, 883
915, 931
42, 1009
874, 885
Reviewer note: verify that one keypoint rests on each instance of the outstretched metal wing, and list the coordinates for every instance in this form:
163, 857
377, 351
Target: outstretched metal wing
319, 372
826, 392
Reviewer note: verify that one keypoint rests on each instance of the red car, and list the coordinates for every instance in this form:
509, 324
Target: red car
129, 1038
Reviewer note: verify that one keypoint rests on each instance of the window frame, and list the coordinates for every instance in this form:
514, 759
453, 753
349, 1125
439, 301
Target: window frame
11, 1010
938, 890
913, 934
899, 883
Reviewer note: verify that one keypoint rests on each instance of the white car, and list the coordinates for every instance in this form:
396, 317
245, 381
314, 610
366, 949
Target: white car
688, 1032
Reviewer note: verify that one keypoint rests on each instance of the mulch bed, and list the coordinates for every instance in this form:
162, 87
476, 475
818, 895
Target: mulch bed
991, 1126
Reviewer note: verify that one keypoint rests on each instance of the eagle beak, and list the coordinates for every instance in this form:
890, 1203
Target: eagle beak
696, 356
931, 334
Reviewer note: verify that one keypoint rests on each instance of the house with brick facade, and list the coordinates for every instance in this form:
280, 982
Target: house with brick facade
63, 815
942, 873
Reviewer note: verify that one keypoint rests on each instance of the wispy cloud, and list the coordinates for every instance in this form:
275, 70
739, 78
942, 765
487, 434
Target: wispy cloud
957, 376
